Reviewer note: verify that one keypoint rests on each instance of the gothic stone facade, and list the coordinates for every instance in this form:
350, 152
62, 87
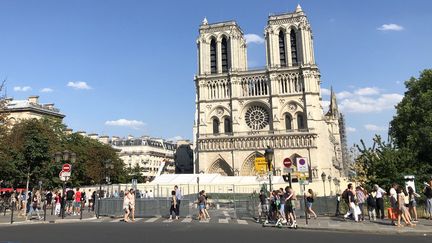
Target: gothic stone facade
239, 112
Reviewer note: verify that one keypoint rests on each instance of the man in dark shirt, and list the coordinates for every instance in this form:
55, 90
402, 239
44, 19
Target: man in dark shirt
69, 200
350, 198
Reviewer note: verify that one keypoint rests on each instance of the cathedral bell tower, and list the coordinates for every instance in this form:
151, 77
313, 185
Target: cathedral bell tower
221, 48
289, 40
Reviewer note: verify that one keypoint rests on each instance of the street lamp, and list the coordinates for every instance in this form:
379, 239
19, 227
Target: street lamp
330, 180
64, 156
323, 177
268, 154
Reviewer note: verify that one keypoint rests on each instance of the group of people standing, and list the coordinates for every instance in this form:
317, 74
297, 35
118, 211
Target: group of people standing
403, 203
279, 206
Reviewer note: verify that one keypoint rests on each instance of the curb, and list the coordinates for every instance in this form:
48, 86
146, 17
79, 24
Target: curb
377, 232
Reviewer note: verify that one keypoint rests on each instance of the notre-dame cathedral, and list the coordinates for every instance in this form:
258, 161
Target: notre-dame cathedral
240, 112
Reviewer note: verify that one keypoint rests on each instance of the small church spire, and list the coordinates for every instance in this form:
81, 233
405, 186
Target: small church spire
333, 108
205, 22
298, 9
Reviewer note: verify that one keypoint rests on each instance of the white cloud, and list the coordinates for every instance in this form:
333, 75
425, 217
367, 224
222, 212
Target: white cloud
78, 85
22, 89
351, 129
366, 100
390, 27
46, 90
374, 128
325, 91
253, 38
126, 123
367, 91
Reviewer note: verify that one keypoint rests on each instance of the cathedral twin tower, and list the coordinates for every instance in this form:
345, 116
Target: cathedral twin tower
240, 112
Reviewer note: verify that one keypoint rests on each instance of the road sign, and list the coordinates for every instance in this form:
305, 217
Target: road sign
302, 165
304, 182
287, 162
260, 164
64, 176
66, 168
287, 170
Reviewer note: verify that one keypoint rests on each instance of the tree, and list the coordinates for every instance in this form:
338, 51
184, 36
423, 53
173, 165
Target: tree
411, 127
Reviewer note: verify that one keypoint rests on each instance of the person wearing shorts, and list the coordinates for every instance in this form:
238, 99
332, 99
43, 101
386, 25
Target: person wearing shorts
69, 201
77, 202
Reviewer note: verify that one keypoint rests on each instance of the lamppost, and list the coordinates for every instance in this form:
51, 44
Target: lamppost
107, 165
323, 177
65, 156
268, 154
330, 180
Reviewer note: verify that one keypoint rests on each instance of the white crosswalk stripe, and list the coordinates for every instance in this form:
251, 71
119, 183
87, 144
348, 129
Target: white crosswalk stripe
114, 221
223, 221
187, 220
241, 221
151, 220
167, 221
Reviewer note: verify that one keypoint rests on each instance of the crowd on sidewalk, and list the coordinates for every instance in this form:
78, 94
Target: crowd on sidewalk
403, 203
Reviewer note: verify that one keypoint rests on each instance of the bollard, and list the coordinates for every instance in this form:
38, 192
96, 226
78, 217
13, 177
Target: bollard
82, 208
12, 211
44, 207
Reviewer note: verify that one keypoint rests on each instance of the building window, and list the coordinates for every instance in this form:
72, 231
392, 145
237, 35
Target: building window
224, 52
213, 56
227, 125
301, 121
294, 58
257, 117
288, 122
282, 54
215, 126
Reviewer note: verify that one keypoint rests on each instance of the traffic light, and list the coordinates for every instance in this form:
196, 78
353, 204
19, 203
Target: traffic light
287, 178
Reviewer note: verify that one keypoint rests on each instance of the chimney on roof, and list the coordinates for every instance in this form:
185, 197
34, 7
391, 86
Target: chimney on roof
93, 136
82, 133
33, 99
49, 106
130, 137
68, 131
104, 139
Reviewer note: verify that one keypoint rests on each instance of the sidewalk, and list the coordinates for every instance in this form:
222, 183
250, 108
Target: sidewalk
6, 219
380, 226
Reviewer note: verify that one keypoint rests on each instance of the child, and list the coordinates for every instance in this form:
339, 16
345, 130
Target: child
371, 204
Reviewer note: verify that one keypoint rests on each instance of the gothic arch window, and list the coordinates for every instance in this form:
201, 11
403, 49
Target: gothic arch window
301, 123
227, 125
213, 56
288, 122
215, 126
224, 53
293, 40
282, 53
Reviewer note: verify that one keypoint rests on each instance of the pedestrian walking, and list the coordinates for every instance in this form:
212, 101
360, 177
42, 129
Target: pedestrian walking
402, 210
132, 204
69, 201
201, 206
126, 204
77, 202
263, 206
57, 200
173, 208
310, 198
371, 205
179, 198
361, 198
36, 200
350, 199
290, 206
412, 195
379, 196
427, 191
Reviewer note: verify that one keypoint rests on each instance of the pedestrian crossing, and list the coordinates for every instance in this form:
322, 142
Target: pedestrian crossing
187, 220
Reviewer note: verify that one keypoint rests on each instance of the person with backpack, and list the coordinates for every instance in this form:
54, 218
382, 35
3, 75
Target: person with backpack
371, 205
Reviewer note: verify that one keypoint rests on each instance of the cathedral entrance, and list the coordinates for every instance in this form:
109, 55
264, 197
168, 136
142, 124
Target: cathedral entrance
248, 167
221, 167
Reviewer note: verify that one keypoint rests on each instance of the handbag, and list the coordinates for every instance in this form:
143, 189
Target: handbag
392, 213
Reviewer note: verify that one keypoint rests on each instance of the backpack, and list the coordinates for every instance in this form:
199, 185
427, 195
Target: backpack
345, 196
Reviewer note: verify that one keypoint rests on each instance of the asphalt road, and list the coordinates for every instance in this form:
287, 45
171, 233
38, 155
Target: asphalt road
178, 232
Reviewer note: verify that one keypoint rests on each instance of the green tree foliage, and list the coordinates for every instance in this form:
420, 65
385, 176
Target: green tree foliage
411, 127
28, 148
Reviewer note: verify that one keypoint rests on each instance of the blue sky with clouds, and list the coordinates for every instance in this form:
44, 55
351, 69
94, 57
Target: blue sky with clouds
126, 67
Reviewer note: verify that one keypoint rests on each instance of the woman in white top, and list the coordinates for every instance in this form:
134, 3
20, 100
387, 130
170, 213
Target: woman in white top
126, 202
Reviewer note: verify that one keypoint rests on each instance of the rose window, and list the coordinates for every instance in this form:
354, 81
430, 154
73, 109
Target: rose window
257, 117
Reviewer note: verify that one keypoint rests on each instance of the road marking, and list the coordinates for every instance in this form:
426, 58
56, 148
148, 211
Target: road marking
205, 221
114, 221
226, 214
151, 220
187, 220
167, 221
139, 219
241, 221
223, 221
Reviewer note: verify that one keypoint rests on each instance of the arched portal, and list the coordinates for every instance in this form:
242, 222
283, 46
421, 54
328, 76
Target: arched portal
221, 167
248, 166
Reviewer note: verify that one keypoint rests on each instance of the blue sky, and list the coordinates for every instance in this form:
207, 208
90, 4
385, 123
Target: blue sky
127, 67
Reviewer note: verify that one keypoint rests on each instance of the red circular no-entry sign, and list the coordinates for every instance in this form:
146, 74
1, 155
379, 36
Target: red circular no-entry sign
66, 168
287, 162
